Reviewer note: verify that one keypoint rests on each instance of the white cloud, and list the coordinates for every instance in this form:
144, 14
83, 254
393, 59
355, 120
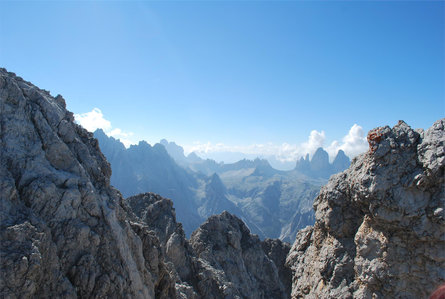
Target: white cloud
316, 140
95, 119
352, 144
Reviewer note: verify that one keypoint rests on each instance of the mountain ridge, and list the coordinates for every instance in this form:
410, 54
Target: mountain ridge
245, 189
66, 232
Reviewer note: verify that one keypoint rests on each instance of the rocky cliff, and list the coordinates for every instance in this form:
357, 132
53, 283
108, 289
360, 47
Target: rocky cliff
63, 230
66, 233
221, 260
380, 225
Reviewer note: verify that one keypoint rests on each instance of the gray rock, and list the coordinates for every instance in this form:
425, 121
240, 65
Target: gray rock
64, 231
222, 258
232, 262
277, 251
159, 215
380, 224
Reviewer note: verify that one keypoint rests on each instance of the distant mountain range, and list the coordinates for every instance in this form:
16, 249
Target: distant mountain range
273, 203
319, 166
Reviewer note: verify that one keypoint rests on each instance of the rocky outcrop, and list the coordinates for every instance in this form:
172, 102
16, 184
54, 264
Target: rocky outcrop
159, 215
64, 231
232, 262
380, 225
221, 260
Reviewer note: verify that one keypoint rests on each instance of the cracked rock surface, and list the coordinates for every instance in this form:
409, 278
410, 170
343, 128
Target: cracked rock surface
380, 225
221, 260
66, 233
63, 230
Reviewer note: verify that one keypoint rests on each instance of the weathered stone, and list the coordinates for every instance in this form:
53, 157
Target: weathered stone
379, 230
232, 261
64, 231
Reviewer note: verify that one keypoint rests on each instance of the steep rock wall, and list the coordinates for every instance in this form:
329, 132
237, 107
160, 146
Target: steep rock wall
63, 229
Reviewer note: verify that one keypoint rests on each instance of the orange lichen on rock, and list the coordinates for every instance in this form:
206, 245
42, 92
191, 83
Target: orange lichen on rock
374, 138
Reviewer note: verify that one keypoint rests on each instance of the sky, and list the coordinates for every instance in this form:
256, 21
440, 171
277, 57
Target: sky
259, 77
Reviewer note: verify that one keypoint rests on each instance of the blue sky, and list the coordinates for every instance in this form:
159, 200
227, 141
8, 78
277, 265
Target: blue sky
235, 75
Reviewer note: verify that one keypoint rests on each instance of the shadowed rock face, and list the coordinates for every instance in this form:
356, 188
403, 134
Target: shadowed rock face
277, 251
63, 230
159, 215
224, 246
380, 224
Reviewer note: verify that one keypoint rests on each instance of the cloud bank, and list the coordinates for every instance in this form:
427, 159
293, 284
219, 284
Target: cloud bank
95, 119
353, 143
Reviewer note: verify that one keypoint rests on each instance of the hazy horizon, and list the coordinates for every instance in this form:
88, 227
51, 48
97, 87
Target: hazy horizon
260, 78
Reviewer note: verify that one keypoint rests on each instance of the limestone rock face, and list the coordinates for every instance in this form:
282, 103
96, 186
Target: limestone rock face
222, 259
64, 231
380, 225
159, 215
232, 262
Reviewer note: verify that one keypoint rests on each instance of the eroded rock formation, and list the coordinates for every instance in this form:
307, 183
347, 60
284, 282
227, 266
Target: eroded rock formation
380, 225
63, 229
232, 262
66, 233
221, 260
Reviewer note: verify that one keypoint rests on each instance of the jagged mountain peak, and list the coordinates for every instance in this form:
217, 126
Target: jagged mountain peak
227, 245
319, 167
341, 161
193, 157
263, 168
215, 189
320, 159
